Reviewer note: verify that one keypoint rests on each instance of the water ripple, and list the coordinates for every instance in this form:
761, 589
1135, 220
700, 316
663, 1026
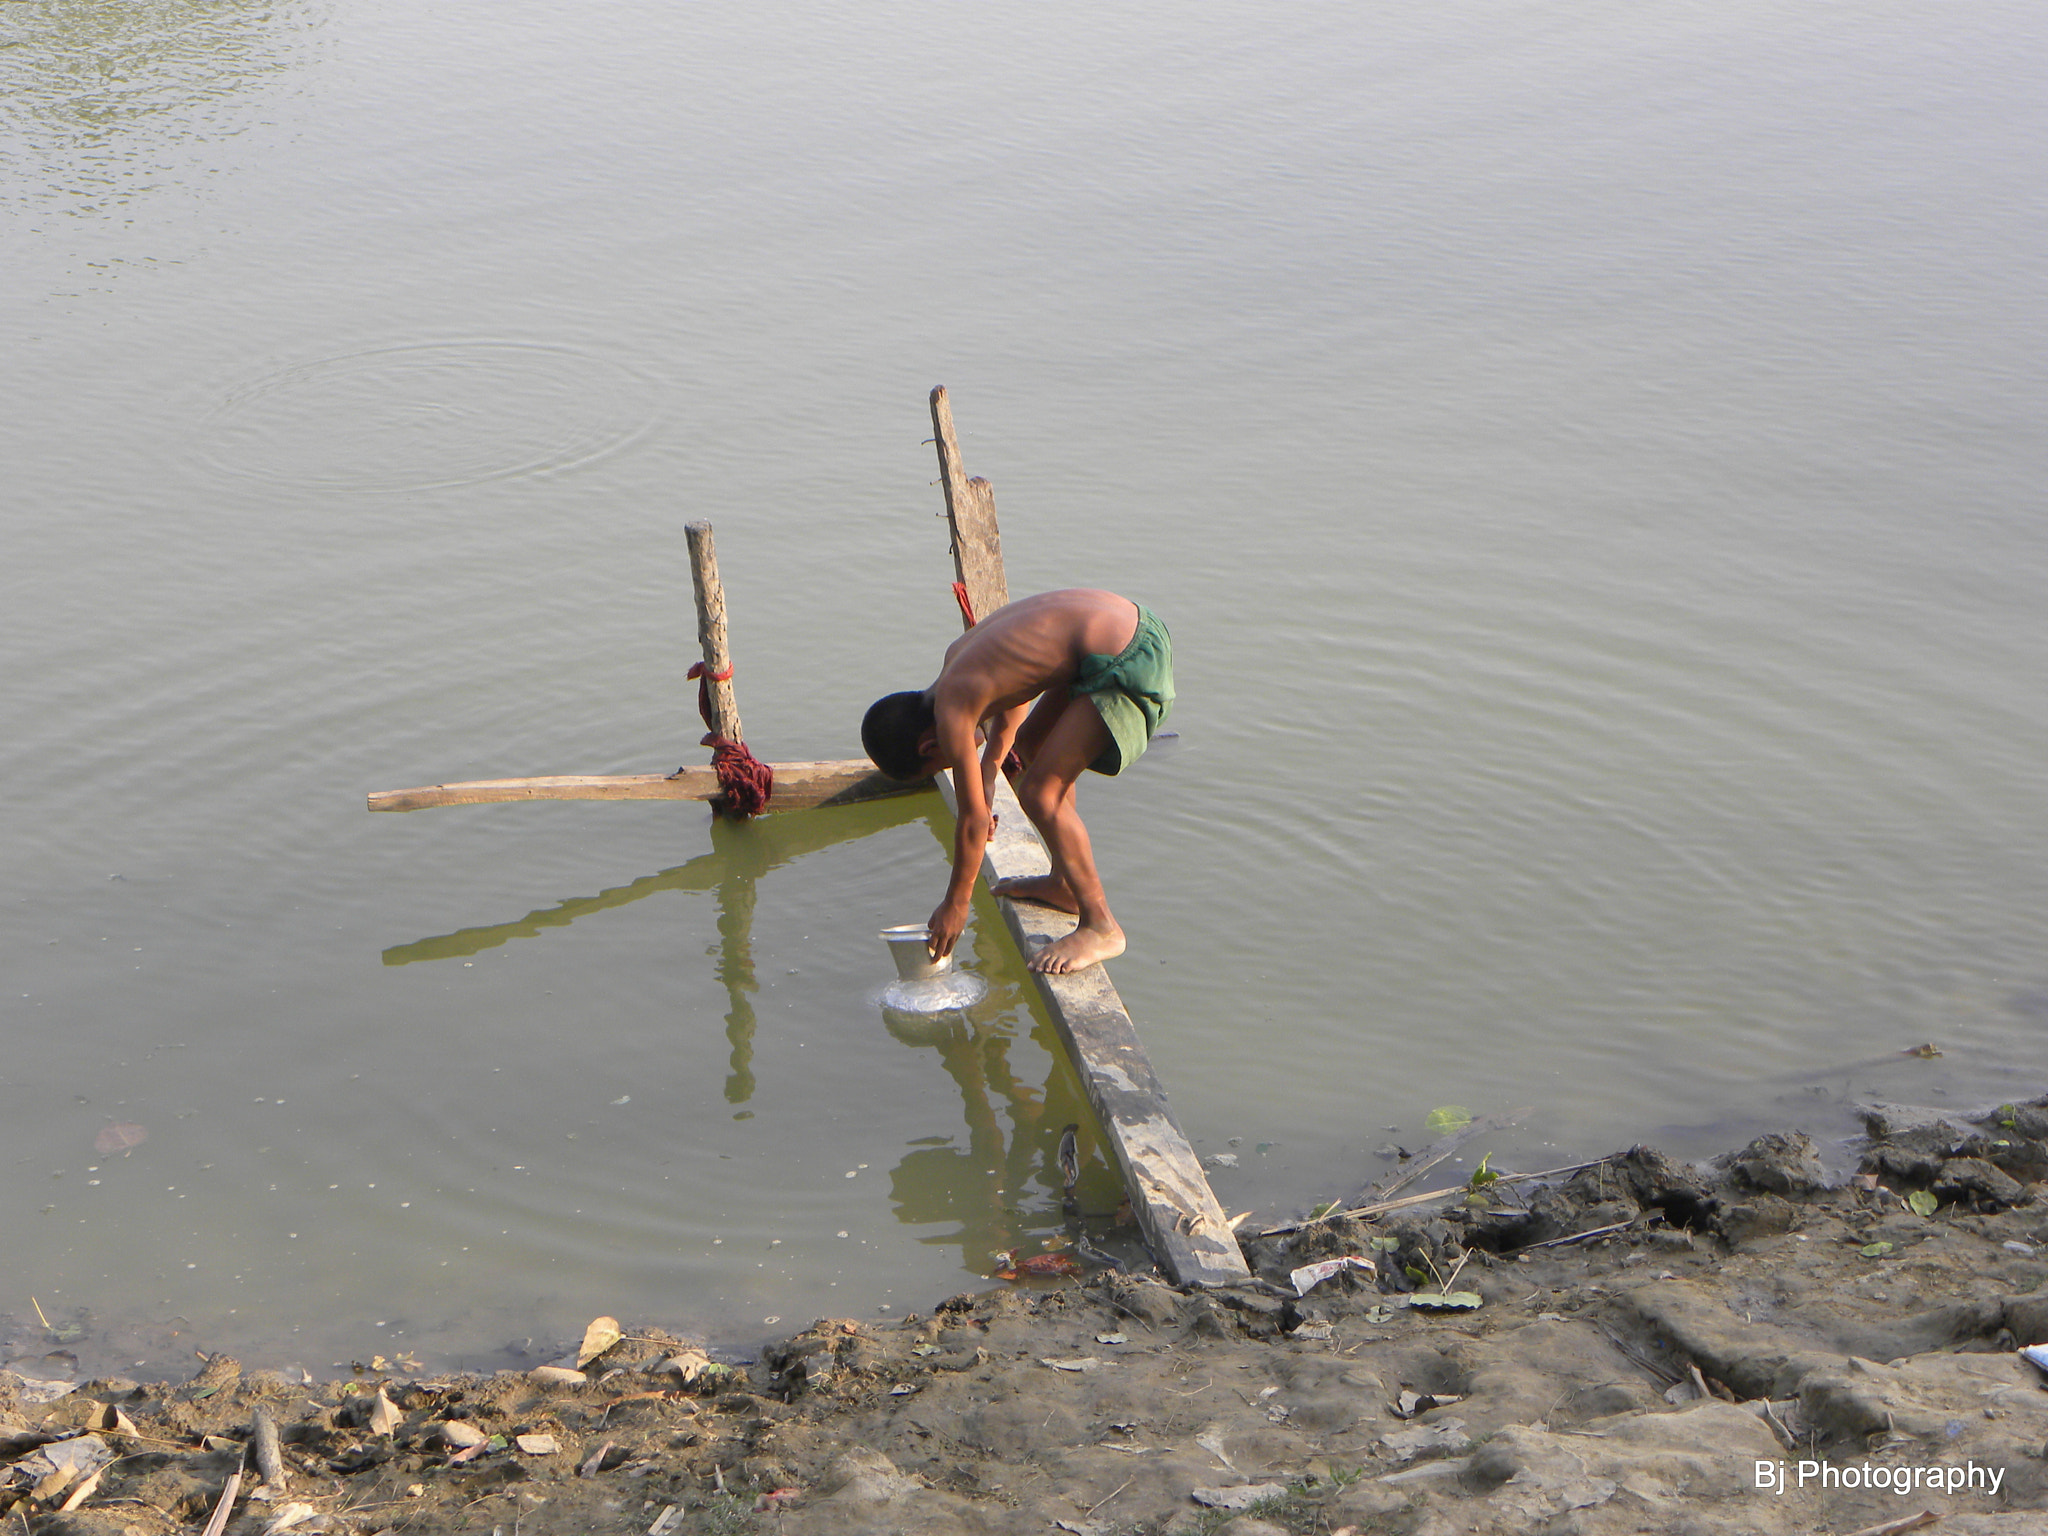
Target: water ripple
427, 416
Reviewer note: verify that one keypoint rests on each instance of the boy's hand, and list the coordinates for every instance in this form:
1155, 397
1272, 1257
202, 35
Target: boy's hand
946, 925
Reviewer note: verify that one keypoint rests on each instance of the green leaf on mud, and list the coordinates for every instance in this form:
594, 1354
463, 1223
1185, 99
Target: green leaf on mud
1875, 1250
1922, 1202
1446, 1301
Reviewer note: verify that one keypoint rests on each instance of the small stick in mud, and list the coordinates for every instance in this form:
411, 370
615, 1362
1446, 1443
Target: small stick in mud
1899, 1527
226, 1506
269, 1458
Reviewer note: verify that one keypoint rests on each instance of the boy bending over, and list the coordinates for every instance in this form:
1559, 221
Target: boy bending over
1101, 669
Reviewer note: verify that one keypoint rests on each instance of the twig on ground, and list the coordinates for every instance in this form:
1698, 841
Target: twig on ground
1636, 1356
1120, 1487
1592, 1232
1430, 1156
1896, 1527
1784, 1434
1381, 1207
226, 1506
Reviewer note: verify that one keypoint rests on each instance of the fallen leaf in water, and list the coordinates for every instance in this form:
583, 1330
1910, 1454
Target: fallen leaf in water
1040, 1264
119, 1138
600, 1336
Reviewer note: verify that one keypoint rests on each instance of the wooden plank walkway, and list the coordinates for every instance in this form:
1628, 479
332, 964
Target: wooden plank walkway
1170, 1195
798, 786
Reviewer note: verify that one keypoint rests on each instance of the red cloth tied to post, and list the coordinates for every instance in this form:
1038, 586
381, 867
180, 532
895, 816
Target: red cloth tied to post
744, 780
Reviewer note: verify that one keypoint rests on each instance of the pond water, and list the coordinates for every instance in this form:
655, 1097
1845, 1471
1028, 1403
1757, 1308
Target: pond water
1589, 457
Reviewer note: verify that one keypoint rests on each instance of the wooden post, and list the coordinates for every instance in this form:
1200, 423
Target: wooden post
971, 514
725, 709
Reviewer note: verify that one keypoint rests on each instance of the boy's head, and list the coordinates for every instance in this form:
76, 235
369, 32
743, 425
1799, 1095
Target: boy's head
898, 733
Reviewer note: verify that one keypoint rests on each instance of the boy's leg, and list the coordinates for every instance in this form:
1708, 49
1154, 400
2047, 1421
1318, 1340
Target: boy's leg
1048, 890
1072, 736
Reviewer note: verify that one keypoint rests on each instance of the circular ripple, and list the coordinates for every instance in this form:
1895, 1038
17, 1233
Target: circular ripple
428, 416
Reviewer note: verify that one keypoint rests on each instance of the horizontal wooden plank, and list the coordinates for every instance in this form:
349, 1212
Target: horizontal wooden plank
798, 786
1170, 1195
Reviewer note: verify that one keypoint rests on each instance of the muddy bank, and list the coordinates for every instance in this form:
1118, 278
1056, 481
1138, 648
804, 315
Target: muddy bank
1640, 1346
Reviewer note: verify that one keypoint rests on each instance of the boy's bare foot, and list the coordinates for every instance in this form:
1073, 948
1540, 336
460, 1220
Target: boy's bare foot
1078, 950
1049, 890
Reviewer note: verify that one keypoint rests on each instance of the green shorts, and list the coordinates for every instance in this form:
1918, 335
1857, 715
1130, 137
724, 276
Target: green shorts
1132, 690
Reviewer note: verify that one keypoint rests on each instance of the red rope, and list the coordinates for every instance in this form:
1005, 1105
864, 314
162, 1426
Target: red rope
744, 780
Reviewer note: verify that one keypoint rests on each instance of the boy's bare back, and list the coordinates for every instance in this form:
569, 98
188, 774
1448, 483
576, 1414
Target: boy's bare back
1028, 647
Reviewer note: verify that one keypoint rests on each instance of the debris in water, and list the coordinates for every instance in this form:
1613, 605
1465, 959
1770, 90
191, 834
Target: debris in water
119, 1138
1015, 1268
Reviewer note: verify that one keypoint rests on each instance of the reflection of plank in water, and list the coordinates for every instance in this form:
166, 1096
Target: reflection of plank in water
754, 848
742, 852
1170, 1195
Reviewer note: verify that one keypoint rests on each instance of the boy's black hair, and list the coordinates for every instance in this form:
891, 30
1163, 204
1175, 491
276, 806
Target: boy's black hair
894, 725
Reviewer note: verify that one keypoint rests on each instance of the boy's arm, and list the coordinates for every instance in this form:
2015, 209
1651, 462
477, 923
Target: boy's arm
971, 829
1002, 734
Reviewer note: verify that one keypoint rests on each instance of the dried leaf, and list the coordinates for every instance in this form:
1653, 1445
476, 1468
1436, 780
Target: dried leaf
384, 1415
112, 1420
1084, 1363
119, 1138
83, 1491
537, 1445
600, 1336
688, 1365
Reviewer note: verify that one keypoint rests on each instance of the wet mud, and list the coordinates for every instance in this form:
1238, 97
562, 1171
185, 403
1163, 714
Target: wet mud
1750, 1346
